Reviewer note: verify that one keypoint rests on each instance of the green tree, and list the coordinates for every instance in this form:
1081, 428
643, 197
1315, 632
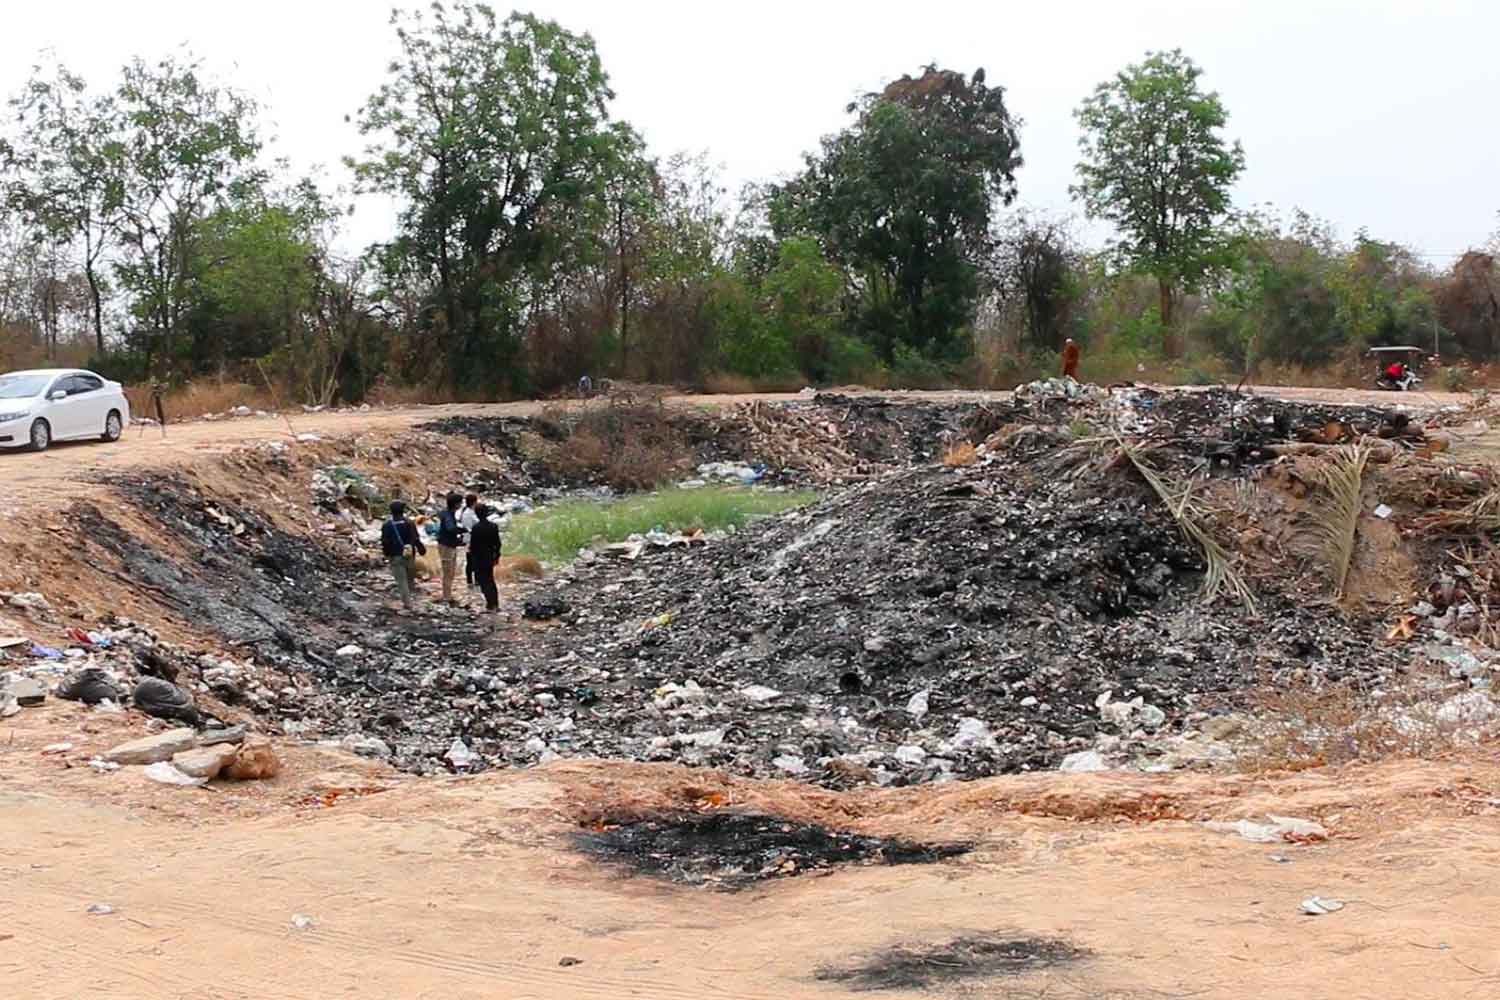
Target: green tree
496, 136
187, 143
67, 172
902, 199
1154, 164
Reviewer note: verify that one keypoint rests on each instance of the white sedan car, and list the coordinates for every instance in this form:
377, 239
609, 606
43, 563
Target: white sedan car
59, 404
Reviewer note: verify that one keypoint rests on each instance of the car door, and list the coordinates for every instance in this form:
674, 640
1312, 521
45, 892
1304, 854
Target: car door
69, 415
87, 393
59, 412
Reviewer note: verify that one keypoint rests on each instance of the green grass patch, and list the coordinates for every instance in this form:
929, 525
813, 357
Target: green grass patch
556, 533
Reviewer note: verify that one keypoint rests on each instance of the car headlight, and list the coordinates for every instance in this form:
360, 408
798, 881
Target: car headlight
14, 416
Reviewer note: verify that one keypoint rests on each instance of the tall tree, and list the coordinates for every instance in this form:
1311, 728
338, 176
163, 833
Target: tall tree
68, 172
902, 198
496, 136
187, 142
1155, 164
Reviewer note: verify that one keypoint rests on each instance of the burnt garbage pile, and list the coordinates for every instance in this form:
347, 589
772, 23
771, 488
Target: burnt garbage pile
733, 850
926, 624
821, 439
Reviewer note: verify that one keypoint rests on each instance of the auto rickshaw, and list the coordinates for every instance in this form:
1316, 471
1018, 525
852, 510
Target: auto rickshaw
1397, 367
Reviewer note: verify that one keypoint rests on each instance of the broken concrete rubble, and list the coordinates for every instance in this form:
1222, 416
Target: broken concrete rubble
205, 762
152, 749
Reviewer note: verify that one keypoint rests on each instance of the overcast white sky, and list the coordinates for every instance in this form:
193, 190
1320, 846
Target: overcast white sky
1378, 113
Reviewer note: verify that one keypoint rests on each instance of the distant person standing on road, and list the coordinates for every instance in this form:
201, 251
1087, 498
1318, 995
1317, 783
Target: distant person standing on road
1070, 359
399, 541
466, 521
450, 537
484, 553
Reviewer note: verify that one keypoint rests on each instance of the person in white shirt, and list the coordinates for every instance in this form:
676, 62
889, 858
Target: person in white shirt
467, 520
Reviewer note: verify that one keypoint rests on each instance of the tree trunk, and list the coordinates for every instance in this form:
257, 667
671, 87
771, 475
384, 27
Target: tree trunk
1170, 347
96, 299
624, 293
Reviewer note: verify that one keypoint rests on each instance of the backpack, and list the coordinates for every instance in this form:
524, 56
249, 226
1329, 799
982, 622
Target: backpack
391, 542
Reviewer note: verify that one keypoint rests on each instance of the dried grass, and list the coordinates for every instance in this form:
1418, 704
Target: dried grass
960, 453
1335, 523
1192, 519
1307, 723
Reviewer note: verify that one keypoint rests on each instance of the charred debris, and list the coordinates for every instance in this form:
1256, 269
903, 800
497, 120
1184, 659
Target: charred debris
981, 589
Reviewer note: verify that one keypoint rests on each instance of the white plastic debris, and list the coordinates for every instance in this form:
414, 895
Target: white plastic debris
349, 650
164, 773
1383, 512
100, 909
1318, 906
1278, 829
30, 602
973, 734
302, 922
759, 693
790, 764
1084, 762
916, 707
910, 754
460, 756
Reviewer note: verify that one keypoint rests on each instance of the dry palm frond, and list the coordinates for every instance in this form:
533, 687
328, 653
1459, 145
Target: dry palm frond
1190, 517
1336, 523
1480, 517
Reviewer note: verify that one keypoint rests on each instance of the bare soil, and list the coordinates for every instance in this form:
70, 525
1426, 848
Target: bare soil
342, 877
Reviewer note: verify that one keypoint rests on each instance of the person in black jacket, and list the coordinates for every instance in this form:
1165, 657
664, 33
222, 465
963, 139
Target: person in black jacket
399, 541
484, 553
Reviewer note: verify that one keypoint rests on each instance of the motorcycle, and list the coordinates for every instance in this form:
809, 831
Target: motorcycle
1408, 381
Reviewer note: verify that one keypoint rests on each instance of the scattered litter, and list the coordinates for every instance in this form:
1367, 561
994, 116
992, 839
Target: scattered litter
1279, 829
1383, 512
30, 602
163, 772
1318, 906
27, 692
100, 909
349, 650
302, 922
567, 961
165, 700
759, 693
90, 685
1084, 762
57, 748
460, 756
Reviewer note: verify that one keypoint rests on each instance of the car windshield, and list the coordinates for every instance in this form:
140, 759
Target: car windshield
22, 386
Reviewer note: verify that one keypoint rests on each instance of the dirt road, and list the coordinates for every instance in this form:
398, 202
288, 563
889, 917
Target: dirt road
474, 888
28, 476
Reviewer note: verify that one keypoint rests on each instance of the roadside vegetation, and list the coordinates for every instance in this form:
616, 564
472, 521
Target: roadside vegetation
150, 229
556, 533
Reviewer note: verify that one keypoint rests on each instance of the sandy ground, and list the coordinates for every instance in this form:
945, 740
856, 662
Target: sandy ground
475, 888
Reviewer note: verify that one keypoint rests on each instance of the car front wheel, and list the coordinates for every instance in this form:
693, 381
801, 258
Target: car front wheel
112, 426
41, 435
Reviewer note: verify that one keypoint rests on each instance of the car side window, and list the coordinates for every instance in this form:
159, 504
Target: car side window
84, 383
64, 384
